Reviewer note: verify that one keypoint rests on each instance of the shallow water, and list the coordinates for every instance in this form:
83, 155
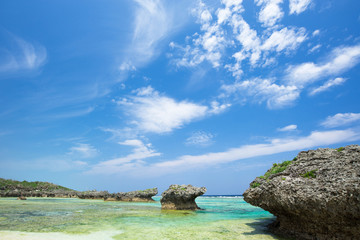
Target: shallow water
56, 218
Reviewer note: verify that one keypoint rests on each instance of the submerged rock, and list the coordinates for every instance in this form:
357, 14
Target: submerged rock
315, 196
21, 198
181, 197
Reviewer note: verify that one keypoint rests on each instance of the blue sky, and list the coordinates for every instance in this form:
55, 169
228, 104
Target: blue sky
125, 95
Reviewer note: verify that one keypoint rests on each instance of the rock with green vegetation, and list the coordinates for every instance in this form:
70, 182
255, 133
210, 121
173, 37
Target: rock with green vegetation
12, 188
315, 196
181, 197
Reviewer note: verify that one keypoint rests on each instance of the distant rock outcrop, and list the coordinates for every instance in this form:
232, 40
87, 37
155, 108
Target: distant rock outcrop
94, 195
315, 196
135, 196
181, 197
13, 188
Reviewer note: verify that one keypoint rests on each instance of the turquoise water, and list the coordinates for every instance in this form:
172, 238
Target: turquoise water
56, 218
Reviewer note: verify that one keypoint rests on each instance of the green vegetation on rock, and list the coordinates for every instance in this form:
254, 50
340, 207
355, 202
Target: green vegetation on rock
340, 149
7, 184
255, 184
310, 174
276, 168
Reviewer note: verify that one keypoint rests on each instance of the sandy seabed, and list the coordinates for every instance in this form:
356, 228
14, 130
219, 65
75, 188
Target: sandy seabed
76, 219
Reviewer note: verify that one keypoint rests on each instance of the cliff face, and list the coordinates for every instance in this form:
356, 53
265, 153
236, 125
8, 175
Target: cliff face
181, 197
315, 196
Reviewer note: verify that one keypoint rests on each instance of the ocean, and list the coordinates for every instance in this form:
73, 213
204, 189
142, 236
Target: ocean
221, 217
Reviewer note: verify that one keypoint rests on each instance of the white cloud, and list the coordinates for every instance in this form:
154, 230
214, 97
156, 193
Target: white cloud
71, 113
285, 39
270, 12
276, 96
340, 60
143, 169
288, 128
83, 150
225, 31
248, 151
22, 55
154, 21
329, 84
208, 46
298, 6
316, 32
131, 161
127, 66
217, 108
341, 119
316, 47
200, 138
248, 38
152, 112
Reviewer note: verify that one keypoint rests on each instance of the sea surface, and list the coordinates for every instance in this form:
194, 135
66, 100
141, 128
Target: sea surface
222, 217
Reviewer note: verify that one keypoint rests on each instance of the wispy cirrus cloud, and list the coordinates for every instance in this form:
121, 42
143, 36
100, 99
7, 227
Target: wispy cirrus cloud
327, 85
154, 21
200, 138
20, 55
262, 90
315, 139
341, 119
83, 150
129, 162
288, 128
339, 60
185, 162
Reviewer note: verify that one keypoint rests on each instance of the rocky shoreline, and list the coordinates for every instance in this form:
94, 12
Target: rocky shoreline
133, 196
177, 197
24, 189
314, 196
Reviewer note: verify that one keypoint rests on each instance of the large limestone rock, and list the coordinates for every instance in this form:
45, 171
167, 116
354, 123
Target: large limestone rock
181, 197
317, 196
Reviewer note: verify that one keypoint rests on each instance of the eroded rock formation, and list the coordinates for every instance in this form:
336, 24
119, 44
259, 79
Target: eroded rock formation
134, 196
315, 196
94, 195
181, 197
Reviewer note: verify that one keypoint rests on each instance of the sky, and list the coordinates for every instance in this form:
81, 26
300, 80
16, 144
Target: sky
134, 94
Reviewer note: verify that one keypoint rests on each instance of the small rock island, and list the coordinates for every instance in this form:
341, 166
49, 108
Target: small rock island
314, 196
181, 197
